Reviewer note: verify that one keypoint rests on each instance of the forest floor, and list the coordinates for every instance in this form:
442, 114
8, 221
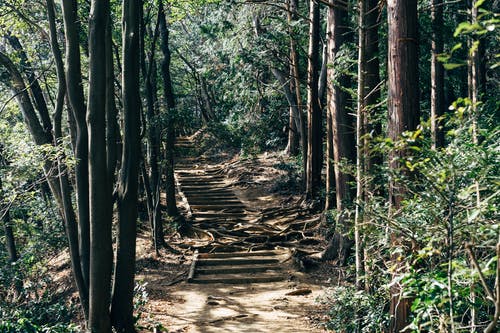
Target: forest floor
264, 182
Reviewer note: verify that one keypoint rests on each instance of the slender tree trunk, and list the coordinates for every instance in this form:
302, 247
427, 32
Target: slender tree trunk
123, 289
372, 82
342, 121
10, 242
112, 131
101, 252
437, 76
360, 148
403, 109
474, 88
169, 98
293, 129
314, 144
153, 153
68, 213
77, 103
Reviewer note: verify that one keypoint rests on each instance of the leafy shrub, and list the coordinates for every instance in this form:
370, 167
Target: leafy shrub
351, 310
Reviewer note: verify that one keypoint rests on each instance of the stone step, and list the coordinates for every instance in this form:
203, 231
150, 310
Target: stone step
218, 255
239, 208
239, 278
218, 215
218, 270
236, 261
215, 201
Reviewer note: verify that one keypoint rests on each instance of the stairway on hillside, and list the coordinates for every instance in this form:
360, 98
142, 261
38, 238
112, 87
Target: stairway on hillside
212, 206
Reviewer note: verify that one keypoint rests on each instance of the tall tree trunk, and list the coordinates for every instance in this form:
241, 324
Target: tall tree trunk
123, 289
372, 80
360, 144
437, 76
169, 98
342, 121
101, 252
293, 130
112, 131
403, 114
314, 144
68, 213
153, 136
77, 103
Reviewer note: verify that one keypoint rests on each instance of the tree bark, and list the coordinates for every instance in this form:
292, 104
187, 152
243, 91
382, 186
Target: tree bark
403, 113
169, 98
34, 86
122, 307
101, 252
68, 213
372, 81
77, 103
294, 131
153, 136
314, 144
112, 130
342, 122
360, 147
437, 76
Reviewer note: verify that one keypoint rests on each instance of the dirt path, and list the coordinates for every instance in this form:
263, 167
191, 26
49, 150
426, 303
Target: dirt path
239, 246
249, 308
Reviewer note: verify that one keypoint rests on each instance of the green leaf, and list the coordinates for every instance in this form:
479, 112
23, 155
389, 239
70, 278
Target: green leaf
451, 66
479, 3
456, 47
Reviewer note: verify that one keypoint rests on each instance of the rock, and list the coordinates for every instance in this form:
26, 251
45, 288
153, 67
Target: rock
299, 292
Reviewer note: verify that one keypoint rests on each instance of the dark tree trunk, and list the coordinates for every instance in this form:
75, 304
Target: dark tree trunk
342, 130
372, 79
77, 103
403, 109
123, 289
153, 131
101, 252
112, 131
68, 213
294, 129
437, 76
314, 144
34, 85
10, 242
169, 98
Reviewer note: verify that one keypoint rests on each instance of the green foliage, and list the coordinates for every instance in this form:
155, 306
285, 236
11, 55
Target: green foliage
355, 311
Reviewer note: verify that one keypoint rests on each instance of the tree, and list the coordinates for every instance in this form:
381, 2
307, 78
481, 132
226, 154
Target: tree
314, 122
340, 141
122, 307
437, 75
295, 131
77, 107
100, 204
152, 180
170, 104
403, 115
